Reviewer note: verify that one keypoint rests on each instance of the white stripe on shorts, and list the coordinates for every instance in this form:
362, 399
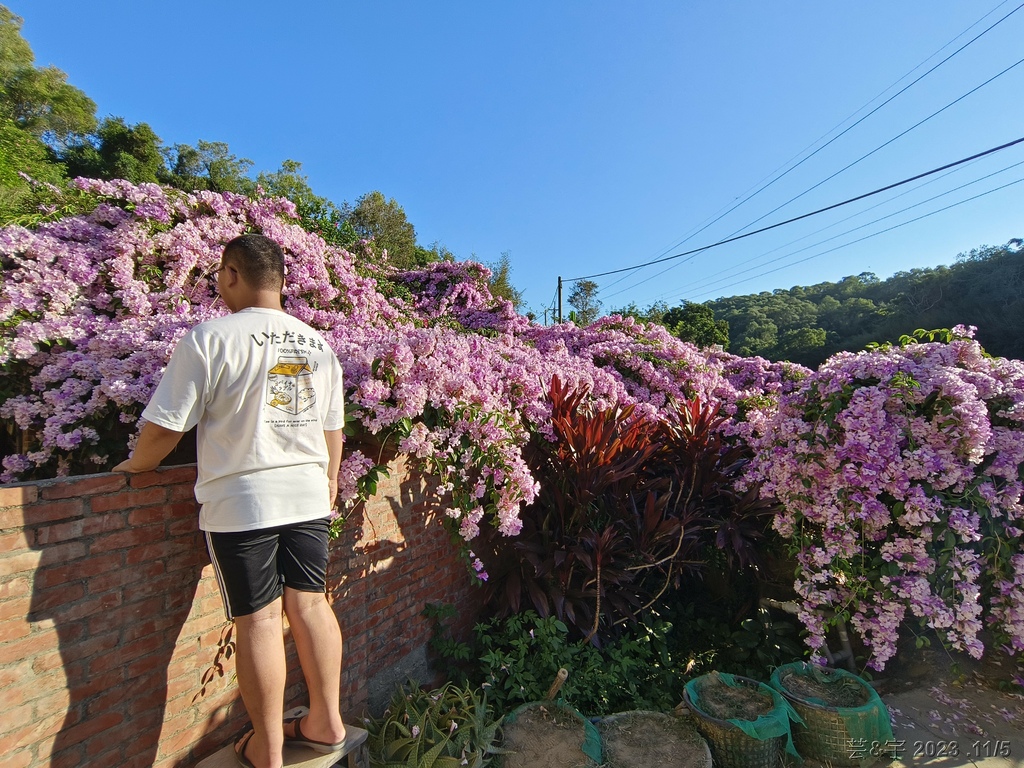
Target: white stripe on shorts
220, 577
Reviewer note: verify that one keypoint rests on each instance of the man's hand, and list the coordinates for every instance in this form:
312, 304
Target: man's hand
124, 466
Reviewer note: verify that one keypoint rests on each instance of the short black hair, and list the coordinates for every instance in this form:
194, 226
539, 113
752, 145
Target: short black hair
259, 260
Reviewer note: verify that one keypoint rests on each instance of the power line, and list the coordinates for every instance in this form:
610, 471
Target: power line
712, 282
807, 215
862, 239
757, 192
882, 146
810, 234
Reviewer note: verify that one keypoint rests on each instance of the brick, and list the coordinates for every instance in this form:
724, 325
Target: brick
20, 586
19, 759
91, 727
101, 754
59, 532
18, 539
18, 495
128, 499
43, 602
148, 515
165, 477
28, 647
23, 562
104, 523
90, 606
47, 663
184, 526
121, 577
160, 550
94, 645
27, 729
130, 537
92, 485
40, 514
84, 687
56, 701
183, 493
52, 576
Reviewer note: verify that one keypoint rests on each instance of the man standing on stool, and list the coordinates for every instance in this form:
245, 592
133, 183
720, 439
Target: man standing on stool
266, 392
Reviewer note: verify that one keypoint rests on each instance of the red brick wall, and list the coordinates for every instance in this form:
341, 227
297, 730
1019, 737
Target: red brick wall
111, 622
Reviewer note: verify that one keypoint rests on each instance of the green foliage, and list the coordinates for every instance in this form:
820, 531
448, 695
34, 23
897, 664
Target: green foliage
383, 221
706, 640
807, 324
519, 657
209, 165
450, 727
21, 152
501, 281
316, 214
117, 151
583, 298
696, 323
38, 99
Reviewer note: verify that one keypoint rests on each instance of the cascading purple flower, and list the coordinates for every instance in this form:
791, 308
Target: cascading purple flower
903, 463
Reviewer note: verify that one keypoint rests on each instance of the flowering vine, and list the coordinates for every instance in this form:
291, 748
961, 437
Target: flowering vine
99, 288
900, 473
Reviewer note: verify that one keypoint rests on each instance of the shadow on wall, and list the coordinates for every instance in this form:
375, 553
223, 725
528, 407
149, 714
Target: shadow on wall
116, 585
393, 558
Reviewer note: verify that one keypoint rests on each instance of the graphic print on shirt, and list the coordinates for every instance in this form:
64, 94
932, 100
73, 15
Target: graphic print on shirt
290, 385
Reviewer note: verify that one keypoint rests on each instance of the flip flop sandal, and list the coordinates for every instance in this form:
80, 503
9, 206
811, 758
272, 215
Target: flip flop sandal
240, 746
353, 738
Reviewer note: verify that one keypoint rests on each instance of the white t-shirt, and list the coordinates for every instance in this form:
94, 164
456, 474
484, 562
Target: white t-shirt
262, 386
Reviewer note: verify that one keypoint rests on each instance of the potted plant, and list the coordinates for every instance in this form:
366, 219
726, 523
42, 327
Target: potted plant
745, 722
450, 727
842, 715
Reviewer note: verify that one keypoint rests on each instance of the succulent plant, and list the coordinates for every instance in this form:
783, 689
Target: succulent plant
449, 727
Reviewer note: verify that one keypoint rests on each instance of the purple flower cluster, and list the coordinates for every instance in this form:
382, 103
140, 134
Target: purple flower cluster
899, 472
92, 305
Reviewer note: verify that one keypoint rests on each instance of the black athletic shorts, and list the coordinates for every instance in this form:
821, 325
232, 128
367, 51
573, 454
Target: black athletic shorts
253, 567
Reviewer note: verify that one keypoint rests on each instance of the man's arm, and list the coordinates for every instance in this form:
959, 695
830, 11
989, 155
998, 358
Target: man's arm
335, 440
155, 442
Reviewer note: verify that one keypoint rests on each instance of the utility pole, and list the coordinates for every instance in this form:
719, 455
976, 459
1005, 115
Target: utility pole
559, 298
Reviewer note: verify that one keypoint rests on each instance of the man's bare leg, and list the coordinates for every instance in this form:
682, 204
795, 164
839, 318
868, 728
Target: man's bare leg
260, 666
318, 641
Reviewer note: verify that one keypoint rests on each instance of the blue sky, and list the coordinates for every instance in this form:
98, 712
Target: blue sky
583, 137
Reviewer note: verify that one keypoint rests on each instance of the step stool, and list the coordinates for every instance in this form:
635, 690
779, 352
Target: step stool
297, 757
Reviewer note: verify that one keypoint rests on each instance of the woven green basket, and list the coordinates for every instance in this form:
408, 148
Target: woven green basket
730, 746
839, 736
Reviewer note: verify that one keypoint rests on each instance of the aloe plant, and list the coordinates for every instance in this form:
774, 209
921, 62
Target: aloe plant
450, 727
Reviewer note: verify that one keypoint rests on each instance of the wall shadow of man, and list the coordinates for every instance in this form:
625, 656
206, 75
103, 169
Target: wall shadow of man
117, 586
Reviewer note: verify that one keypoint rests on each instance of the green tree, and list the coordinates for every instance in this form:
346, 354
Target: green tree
117, 151
801, 345
21, 152
383, 221
317, 214
583, 298
208, 165
696, 323
38, 99
501, 281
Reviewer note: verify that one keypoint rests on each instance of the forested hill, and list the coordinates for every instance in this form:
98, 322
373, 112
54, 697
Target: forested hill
984, 288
